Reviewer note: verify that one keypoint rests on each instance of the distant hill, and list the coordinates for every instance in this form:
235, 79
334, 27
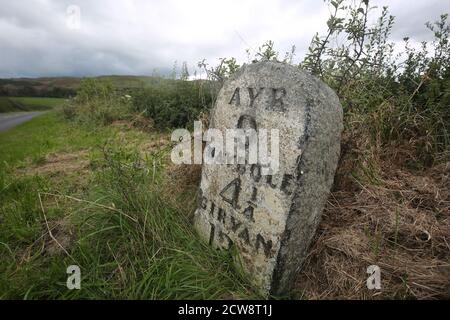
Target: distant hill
65, 86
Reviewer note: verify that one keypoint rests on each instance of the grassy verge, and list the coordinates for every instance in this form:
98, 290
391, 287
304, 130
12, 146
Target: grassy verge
99, 199
34, 139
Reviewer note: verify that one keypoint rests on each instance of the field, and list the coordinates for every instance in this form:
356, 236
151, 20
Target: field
6, 105
38, 102
14, 104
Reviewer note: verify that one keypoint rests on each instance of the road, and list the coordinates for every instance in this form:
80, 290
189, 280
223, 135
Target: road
9, 120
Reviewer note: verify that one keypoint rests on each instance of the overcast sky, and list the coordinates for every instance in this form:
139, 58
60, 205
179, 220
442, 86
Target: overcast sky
40, 38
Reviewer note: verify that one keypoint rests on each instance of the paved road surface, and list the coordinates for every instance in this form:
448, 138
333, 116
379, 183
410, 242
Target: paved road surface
9, 120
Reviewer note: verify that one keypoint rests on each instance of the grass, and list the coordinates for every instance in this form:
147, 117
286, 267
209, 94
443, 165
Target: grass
36, 103
106, 200
13, 104
44, 134
100, 199
6, 105
398, 221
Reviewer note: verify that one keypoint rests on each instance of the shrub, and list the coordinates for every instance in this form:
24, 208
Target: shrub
398, 99
389, 99
97, 102
173, 103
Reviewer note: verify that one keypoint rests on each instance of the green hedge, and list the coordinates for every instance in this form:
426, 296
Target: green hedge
173, 103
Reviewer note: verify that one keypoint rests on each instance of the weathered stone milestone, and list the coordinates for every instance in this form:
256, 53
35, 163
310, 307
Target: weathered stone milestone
271, 217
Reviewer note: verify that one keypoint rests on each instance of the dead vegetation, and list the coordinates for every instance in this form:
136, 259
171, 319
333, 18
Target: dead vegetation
58, 163
383, 214
400, 222
137, 121
58, 238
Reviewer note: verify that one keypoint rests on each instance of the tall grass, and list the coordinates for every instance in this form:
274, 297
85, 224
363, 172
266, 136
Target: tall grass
147, 247
117, 220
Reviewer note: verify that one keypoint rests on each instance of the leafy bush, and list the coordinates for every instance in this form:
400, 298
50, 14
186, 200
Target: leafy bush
388, 99
165, 103
97, 102
400, 98
173, 103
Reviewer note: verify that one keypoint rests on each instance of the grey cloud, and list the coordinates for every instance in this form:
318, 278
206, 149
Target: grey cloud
137, 36
411, 16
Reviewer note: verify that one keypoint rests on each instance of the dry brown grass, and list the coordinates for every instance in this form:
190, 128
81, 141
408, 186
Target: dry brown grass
379, 212
137, 121
61, 239
181, 185
400, 223
59, 163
